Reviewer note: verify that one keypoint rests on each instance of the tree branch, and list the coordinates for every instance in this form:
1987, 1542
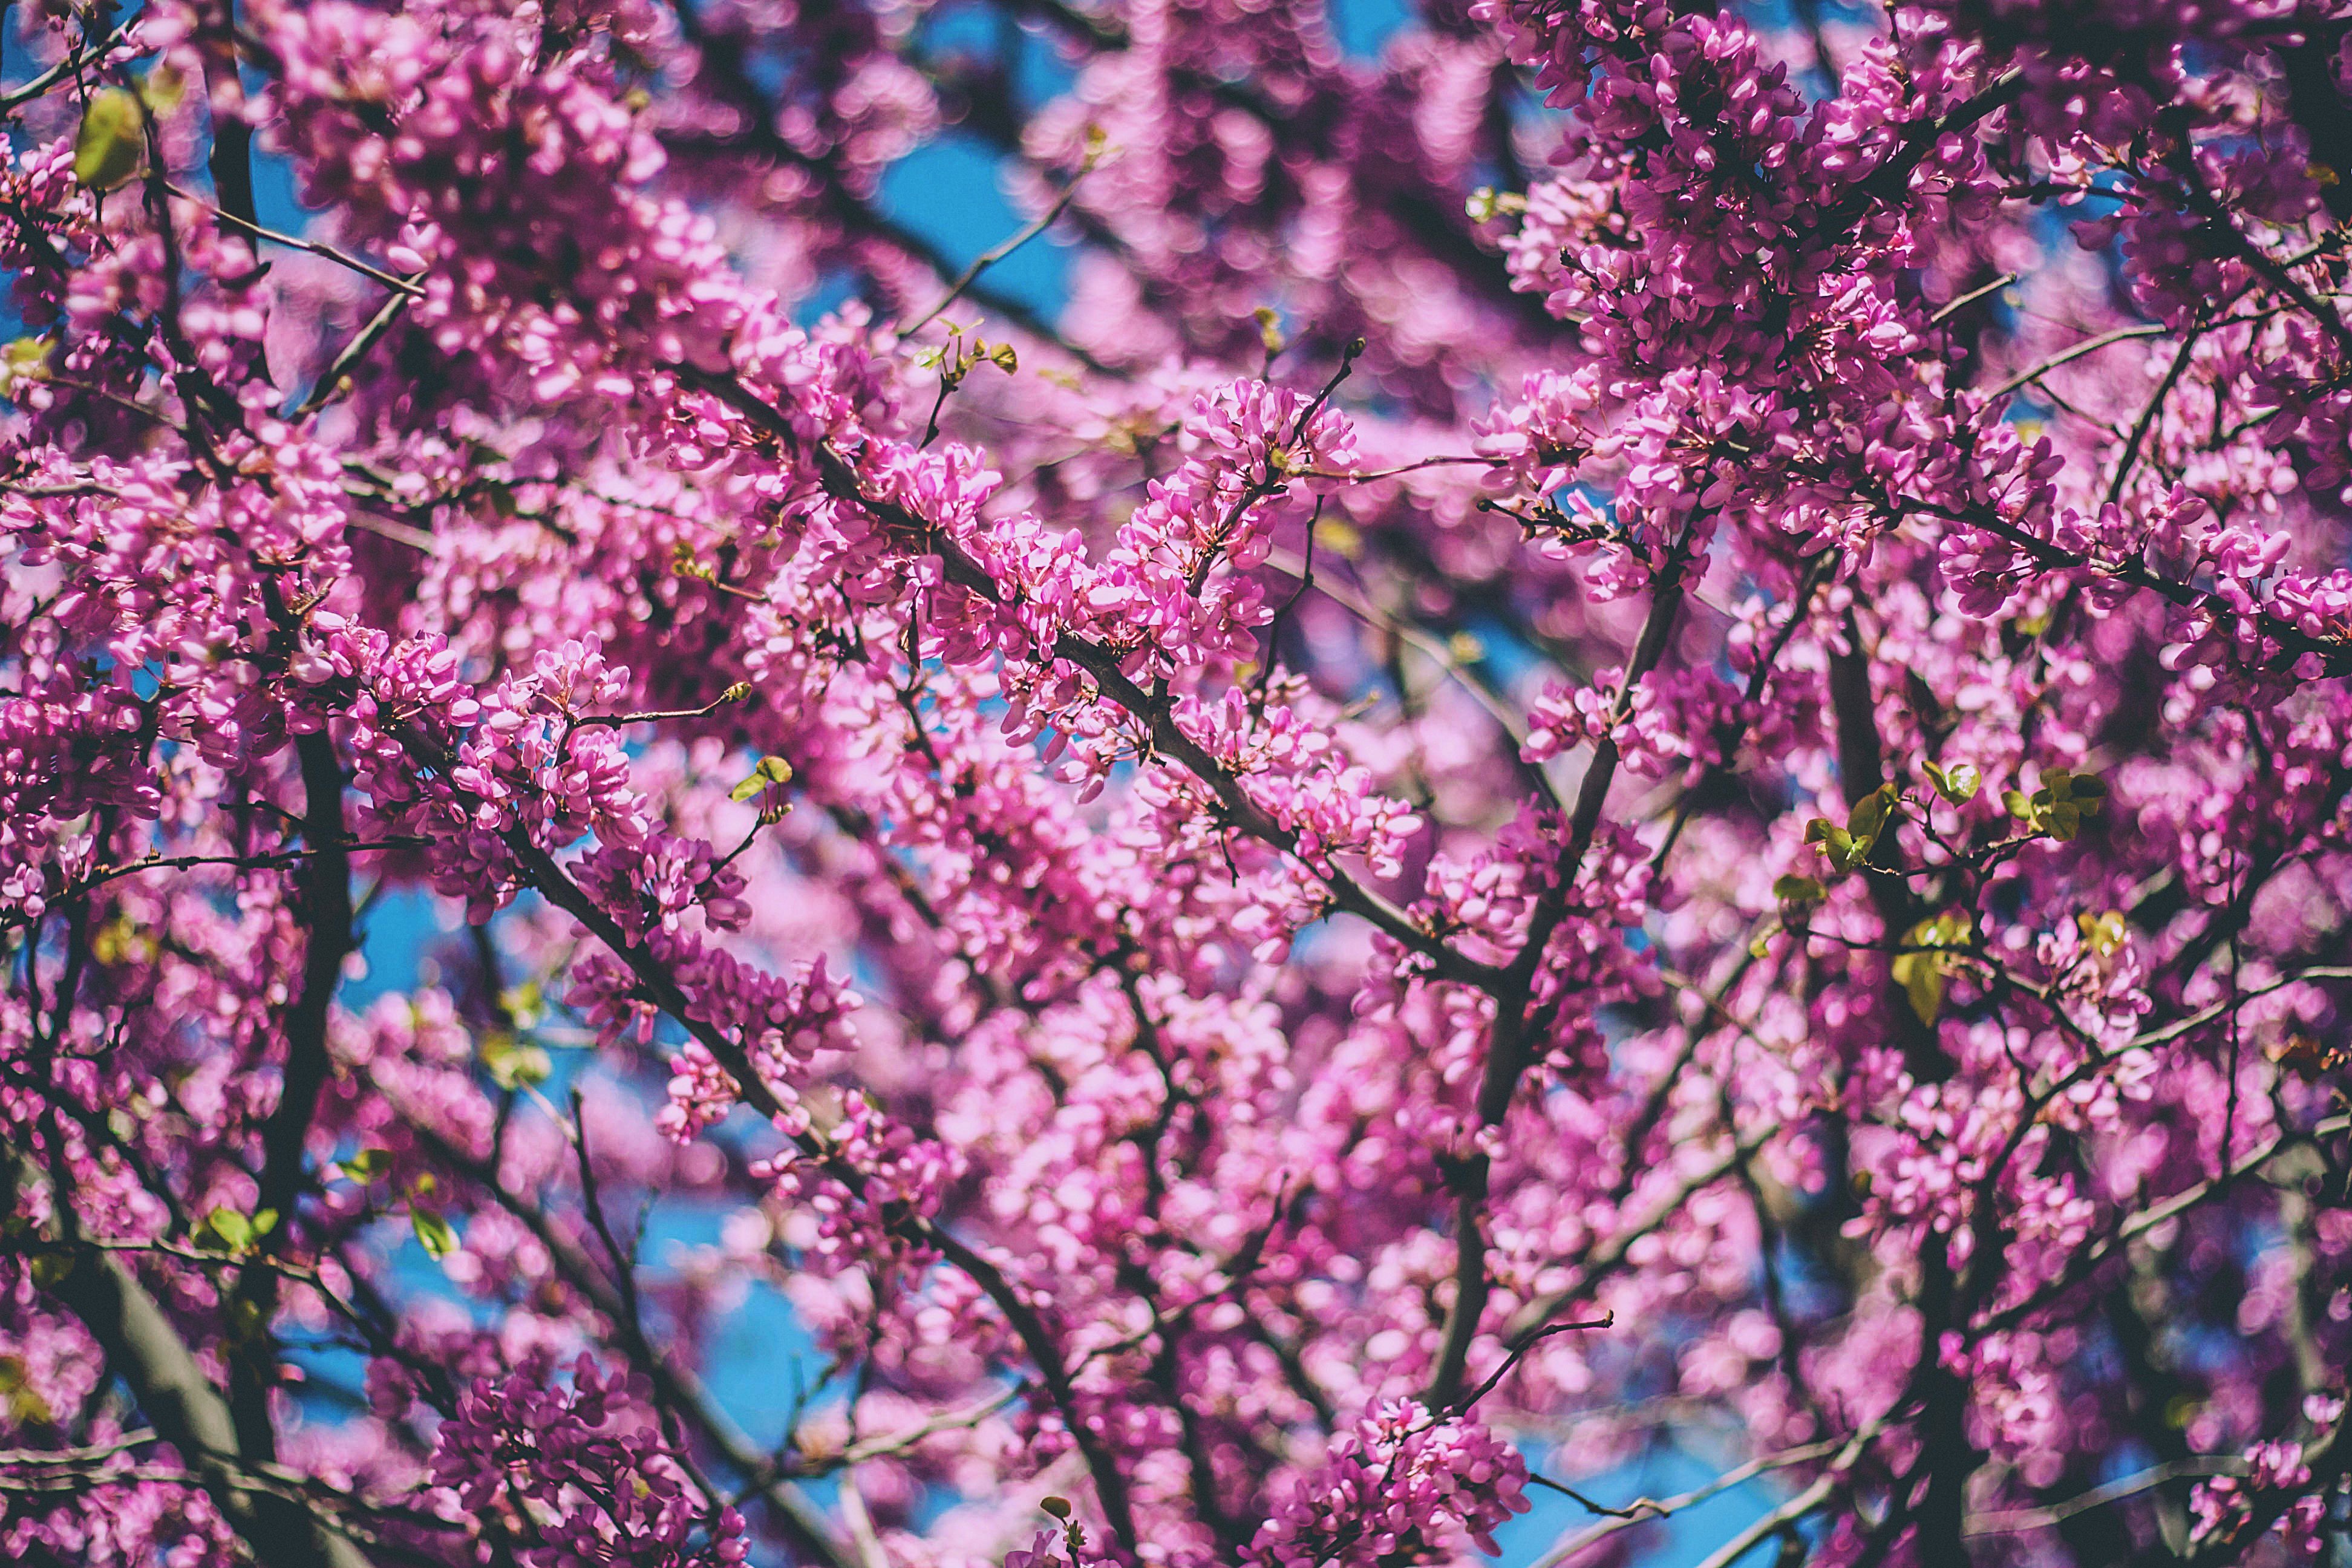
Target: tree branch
662, 989
143, 1349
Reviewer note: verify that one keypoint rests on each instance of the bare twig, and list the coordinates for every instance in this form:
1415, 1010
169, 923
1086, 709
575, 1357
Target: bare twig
398, 285
998, 252
2018, 1521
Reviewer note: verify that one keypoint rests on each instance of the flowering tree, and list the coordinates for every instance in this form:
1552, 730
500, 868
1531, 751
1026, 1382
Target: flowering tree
1634, 733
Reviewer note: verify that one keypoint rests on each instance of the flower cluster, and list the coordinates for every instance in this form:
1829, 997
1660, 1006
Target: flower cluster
609, 1491
1401, 1487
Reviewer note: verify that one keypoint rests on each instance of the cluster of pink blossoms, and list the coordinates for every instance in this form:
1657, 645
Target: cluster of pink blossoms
1618, 726
612, 1494
1395, 1489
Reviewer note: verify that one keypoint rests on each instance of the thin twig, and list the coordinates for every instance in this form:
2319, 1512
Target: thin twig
69, 65
2068, 355
1518, 1352
1971, 296
409, 286
1824, 1487
1364, 476
1642, 1508
2017, 1521
998, 252
330, 384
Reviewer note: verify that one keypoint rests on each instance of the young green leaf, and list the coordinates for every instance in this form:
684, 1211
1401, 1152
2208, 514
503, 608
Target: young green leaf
1923, 971
2060, 806
513, 1063
1269, 331
1849, 847
224, 1230
113, 142
769, 773
1800, 892
1958, 783
366, 1165
433, 1233
2103, 935
27, 359
26, 1406
1845, 851
1921, 975
1871, 814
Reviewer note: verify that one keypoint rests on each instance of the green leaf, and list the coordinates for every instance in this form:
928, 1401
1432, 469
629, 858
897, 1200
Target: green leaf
770, 772
1958, 783
1269, 329
163, 89
433, 1233
224, 1230
1802, 890
2017, 805
2103, 935
112, 141
25, 1407
1871, 814
367, 1165
1952, 928
1921, 975
1486, 204
2062, 803
1849, 847
524, 1003
1844, 851
28, 358
515, 1064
